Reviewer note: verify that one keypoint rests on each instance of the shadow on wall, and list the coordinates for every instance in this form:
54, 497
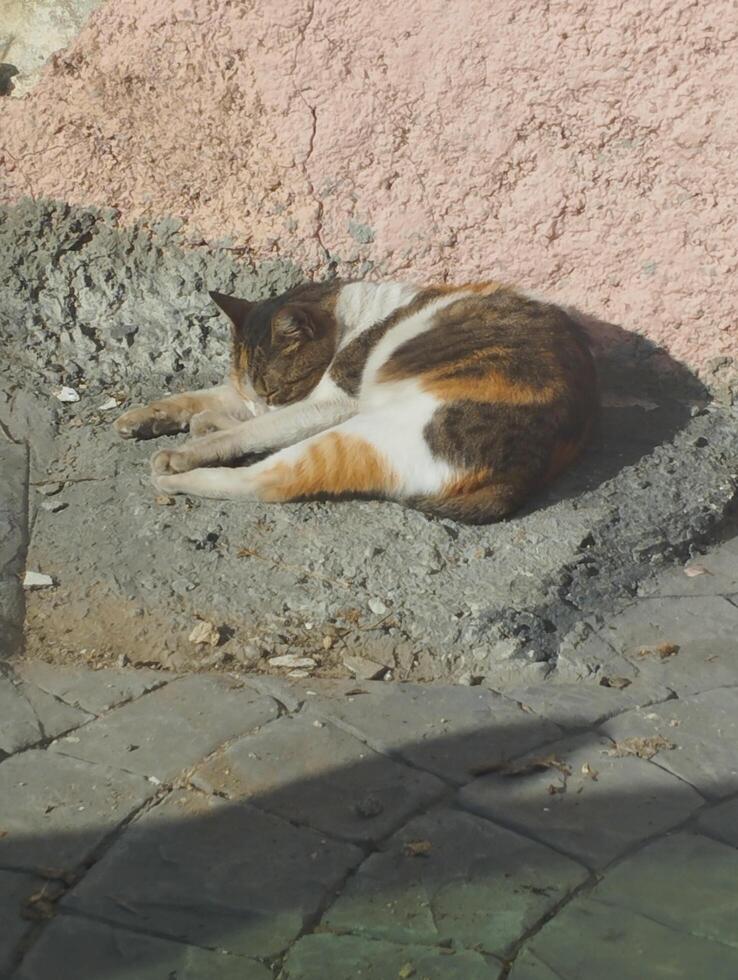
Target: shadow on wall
249, 874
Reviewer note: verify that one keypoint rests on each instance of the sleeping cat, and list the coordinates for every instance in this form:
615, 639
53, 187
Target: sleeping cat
461, 401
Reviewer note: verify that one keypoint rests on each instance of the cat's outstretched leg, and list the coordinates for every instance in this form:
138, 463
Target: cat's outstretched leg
274, 430
373, 455
174, 414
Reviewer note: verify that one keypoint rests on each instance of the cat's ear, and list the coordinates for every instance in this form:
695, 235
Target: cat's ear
237, 310
298, 323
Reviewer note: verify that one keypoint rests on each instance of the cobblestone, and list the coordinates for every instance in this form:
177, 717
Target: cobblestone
215, 874
318, 957
584, 801
172, 728
72, 949
423, 889
450, 731
322, 777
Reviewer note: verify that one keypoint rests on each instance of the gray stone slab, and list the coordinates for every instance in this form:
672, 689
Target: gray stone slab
214, 874
55, 810
321, 776
448, 730
479, 885
584, 704
172, 728
71, 948
585, 656
15, 889
95, 691
686, 882
721, 821
720, 576
589, 939
704, 627
703, 729
29, 715
593, 819
327, 957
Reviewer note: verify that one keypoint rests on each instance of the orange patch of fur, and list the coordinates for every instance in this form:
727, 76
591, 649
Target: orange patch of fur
334, 465
493, 387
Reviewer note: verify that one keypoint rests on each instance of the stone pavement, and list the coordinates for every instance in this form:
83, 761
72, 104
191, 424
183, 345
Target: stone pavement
155, 825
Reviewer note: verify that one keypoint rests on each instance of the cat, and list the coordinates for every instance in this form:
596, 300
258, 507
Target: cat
460, 401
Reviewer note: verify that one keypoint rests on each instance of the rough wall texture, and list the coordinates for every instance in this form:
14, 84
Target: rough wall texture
583, 149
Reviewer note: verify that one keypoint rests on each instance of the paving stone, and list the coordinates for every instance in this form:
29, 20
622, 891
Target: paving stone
15, 888
447, 730
721, 577
28, 715
587, 658
589, 939
705, 629
214, 874
721, 821
74, 949
321, 776
593, 819
95, 691
172, 728
704, 731
685, 881
55, 809
484, 894
584, 704
529, 967
327, 957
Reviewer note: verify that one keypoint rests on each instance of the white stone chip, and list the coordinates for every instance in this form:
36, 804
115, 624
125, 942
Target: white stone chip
37, 580
66, 394
292, 660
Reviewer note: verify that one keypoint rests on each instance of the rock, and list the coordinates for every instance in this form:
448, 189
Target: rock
377, 606
49, 489
248, 655
37, 580
364, 669
205, 633
291, 660
66, 394
108, 405
54, 506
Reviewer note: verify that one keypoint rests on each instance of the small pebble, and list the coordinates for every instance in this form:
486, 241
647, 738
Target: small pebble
291, 660
49, 489
66, 394
37, 580
377, 606
54, 506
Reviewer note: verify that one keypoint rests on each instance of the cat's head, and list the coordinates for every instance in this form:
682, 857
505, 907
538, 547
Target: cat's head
281, 346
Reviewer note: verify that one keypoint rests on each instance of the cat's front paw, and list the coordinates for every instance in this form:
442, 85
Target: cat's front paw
168, 461
146, 422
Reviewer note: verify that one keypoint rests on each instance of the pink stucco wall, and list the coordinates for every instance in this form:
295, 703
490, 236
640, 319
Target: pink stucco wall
584, 149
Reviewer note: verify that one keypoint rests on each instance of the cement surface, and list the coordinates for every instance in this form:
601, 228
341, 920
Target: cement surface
123, 313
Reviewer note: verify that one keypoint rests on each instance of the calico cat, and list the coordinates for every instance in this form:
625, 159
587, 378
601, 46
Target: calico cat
461, 401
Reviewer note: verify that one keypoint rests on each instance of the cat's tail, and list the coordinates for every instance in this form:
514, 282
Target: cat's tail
483, 506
